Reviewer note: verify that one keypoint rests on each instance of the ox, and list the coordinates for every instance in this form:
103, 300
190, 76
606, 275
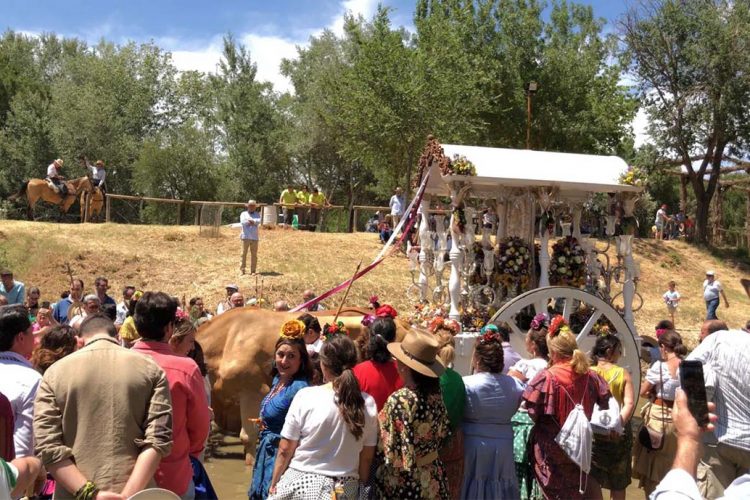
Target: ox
239, 347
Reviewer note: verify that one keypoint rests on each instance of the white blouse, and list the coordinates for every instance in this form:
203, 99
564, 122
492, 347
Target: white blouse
530, 367
667, 392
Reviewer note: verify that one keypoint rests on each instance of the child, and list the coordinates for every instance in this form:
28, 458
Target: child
672, 299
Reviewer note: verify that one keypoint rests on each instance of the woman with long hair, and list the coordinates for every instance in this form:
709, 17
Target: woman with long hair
491, 401
414, 424
536, 345
378, 376
611, 454
32, 302
454, 396
290, 373
549, 398
329, 437
662, 381
59, 341
182, 340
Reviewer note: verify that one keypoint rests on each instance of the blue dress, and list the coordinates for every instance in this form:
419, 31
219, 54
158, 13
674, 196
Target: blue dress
272, 412
489, 469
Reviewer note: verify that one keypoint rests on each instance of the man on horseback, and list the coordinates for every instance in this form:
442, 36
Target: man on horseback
98, 173
55, 179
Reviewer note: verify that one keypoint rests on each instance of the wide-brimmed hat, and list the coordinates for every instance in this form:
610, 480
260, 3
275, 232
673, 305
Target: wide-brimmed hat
710, 273
419, 351
58, 162
99, 163
232, 286
252, 203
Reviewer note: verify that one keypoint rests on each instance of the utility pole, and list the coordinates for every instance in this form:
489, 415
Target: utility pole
530, 88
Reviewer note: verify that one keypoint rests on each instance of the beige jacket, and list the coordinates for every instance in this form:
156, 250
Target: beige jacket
101, 406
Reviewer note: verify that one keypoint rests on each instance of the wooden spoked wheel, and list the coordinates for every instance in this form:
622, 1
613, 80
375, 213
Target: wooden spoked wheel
582, 310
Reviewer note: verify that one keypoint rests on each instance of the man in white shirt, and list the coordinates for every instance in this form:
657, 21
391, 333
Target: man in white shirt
18, 379
397, 205
13, 290
711, 290
54, 176
725, 356
250, 221
226, 304
91, 305
661, 221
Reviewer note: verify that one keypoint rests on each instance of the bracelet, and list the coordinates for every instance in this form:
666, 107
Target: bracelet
87, 492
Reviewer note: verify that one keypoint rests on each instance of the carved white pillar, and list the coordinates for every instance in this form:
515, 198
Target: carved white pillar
470, 229
577, 212
425, 247
610, 229
544, 257
565, 226
625, 248
457, 261
442, 238
502, 218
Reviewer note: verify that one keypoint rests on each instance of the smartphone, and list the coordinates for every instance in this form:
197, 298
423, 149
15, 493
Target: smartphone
692, 382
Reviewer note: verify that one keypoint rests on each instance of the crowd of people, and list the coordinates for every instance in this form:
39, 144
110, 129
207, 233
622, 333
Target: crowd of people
386, 417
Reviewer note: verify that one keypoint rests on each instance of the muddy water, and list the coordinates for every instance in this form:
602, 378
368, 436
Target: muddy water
227, 470
231, 477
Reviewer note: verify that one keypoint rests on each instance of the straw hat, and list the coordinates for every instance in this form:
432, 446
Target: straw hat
419, 351
58, 162
252, 203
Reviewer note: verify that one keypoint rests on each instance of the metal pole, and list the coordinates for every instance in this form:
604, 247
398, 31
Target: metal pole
528, 120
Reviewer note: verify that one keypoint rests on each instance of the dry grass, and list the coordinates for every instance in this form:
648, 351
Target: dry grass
179, 261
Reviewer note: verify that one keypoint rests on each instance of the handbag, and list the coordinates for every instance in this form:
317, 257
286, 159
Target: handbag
650, 439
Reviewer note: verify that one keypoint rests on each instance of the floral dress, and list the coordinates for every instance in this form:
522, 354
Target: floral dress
413, 427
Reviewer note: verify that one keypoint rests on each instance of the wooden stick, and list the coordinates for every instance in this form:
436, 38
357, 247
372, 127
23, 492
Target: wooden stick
260, 296
346, 293
256, 286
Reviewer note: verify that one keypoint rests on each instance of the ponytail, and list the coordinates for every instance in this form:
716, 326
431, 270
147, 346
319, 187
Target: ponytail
681, 351
672, 341
579, 362
339, 355
350, 402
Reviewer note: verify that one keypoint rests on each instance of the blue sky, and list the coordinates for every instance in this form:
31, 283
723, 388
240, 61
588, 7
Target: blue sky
192, 29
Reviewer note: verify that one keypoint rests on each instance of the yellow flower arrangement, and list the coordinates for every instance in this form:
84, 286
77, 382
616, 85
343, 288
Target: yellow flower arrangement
292, 329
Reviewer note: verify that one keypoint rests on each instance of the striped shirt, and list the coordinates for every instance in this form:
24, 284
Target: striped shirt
725, 356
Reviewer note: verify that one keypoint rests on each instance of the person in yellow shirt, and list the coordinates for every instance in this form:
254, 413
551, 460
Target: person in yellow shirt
317, 202
288, 200
303, 205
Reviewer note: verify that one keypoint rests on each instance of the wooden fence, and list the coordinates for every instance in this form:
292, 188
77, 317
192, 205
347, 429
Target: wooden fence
354, 213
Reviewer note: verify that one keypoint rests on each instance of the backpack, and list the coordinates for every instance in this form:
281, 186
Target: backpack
576, 437
606, 421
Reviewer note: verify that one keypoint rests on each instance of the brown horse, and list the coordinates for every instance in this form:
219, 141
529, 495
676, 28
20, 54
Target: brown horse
95, 201
39, 189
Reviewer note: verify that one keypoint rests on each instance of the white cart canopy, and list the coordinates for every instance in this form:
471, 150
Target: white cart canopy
496, 167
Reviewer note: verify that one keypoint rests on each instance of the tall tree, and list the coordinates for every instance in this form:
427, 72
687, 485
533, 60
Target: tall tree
691, 61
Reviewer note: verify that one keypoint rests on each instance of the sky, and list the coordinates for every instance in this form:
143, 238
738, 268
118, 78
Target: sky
192, 29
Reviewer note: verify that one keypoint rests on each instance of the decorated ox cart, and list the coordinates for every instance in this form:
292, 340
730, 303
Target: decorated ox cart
506, 208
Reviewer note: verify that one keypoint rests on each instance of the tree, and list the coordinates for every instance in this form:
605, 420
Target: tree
691, 61
251, 126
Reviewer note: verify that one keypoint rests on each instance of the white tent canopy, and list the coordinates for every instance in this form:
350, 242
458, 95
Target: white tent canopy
571, 173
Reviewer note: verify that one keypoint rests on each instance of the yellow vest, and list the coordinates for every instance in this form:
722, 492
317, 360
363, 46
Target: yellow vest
288, 197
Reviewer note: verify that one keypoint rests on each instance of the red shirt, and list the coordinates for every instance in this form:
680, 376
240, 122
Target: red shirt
190, 414
379, 380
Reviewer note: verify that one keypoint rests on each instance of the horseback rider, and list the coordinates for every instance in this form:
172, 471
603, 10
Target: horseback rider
98, 173
54, 177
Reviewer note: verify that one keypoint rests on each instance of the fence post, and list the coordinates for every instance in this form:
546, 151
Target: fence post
109, 209
356, 218
179, 214
197, 214
140, 211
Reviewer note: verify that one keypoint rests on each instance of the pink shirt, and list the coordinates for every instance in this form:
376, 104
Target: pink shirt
190, 414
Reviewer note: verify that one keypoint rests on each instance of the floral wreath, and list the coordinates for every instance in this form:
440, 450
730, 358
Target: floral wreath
490, 334
439, 322
557, 326
292, 329
386, 311
540, 321
330, 331
181, 315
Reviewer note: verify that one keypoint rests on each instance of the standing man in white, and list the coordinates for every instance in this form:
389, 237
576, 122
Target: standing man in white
250, 221
712, 289
397, 205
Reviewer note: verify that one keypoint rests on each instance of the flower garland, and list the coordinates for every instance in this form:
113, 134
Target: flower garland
632, 177
439, 322
424, 313
474, 319
292, 329
338, 328
568, 264
513, 258
460, 217
460, 165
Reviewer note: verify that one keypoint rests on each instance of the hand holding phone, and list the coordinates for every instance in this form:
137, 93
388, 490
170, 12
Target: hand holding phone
692, 382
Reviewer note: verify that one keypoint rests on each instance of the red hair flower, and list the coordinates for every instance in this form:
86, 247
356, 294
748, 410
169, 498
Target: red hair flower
181, 315
386, 311
555, 325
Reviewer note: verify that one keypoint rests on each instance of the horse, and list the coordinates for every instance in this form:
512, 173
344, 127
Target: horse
39, 189
95, 201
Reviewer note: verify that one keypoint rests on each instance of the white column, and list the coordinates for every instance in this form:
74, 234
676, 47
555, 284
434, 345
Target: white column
625, 248
425, 247
457, 260
565, 226
577, 212
501, 209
